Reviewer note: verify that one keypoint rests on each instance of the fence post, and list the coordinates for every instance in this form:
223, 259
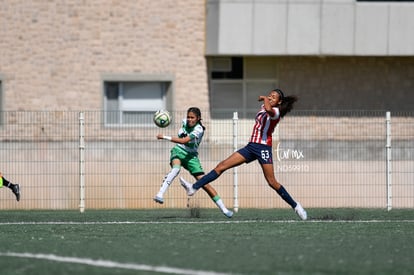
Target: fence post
235, 174
388, 156
82, 162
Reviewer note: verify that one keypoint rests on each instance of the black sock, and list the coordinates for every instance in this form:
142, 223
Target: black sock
286, 197
7, 183
212, 175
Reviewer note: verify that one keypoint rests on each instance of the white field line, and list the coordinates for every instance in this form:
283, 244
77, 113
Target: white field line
202, 222
110, 264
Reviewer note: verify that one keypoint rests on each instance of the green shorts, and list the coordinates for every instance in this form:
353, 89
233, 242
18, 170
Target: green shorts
188, 160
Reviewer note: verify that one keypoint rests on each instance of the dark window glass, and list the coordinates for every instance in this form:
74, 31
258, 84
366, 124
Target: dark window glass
235, 73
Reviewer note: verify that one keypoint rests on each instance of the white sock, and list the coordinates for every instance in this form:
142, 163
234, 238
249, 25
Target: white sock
220, 204
168, 180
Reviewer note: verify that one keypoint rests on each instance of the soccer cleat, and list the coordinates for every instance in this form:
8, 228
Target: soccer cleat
301, 212
16, 191
228, 214
159, 200
188, 187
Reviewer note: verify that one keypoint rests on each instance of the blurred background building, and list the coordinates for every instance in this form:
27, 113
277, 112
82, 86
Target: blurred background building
137, 56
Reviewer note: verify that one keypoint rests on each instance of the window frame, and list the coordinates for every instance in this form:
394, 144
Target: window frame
165, 79
244, 110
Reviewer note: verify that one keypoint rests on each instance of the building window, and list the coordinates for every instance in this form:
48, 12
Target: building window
237, 82
133, 103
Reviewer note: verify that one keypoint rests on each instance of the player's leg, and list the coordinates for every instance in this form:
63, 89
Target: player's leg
269, 175
217, 200
233, 160
15, 188
193, 165
168, 179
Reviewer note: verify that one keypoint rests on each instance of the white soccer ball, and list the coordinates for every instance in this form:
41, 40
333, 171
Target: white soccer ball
162, 118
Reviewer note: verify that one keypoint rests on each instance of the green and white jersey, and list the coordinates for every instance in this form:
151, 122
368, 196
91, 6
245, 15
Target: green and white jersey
196, 134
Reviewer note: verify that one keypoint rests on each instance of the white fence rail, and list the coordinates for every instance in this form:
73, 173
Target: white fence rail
73, 160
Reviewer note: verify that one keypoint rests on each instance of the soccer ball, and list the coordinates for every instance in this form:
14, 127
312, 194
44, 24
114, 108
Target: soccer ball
162, 118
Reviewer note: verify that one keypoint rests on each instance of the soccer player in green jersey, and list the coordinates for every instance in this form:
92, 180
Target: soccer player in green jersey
185, 154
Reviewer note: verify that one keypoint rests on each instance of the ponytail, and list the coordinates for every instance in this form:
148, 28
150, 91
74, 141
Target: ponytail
287, 104
199, 122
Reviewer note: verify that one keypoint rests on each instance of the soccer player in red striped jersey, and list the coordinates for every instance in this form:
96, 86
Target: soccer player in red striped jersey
275, 106
264, 126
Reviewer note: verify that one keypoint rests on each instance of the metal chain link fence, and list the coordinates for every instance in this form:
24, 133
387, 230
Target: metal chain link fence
71, 160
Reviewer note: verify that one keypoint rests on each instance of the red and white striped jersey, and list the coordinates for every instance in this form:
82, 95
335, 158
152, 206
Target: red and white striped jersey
264, 126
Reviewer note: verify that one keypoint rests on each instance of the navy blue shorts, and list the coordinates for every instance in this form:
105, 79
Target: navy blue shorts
256, 151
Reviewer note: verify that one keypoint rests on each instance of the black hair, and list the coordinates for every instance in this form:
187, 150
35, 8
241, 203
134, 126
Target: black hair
197, 112
281, 94
286, 102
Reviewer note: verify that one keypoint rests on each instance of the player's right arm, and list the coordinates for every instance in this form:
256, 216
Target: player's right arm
181, 140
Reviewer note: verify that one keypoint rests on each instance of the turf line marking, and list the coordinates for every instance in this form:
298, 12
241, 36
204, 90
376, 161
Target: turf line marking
202, 222
111, 264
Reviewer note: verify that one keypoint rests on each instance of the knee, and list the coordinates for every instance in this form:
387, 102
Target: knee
220, 168
176, 170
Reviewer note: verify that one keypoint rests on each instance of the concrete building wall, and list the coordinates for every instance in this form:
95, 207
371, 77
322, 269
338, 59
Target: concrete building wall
331, 82
349, 83
53, 54
311, 27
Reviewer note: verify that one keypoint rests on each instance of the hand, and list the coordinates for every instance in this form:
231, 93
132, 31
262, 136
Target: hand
262, 97
160, 136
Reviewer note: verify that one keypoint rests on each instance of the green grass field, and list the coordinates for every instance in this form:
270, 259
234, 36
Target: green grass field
202, 241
